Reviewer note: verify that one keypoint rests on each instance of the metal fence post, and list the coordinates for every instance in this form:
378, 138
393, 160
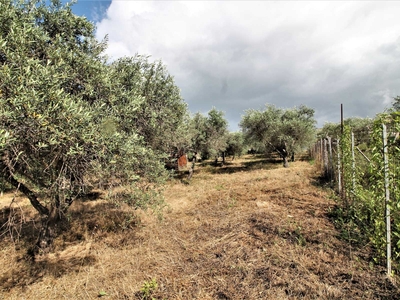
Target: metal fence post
387, 201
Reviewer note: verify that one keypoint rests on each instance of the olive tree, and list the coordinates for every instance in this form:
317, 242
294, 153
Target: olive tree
285, 131
198, 133
210, 133
361, 127
216, 133
396, 103
236, 144
60, 112
162, 111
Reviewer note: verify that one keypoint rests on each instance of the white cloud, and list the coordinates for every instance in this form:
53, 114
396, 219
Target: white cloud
236, 55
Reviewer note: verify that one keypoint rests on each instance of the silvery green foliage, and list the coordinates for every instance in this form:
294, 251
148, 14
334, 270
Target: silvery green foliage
67, 118
210, 133
47, 104
285, 131
236, 144
361, 127
161, 111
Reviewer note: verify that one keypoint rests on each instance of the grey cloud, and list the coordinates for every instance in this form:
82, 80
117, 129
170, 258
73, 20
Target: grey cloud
319, 55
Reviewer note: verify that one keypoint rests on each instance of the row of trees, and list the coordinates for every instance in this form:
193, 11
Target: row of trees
70, 119
285, 131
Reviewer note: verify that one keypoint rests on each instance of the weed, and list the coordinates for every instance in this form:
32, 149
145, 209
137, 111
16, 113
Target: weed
101, 294
260, 178
301, 241
219, 187
232, 202
348, 225
148, 288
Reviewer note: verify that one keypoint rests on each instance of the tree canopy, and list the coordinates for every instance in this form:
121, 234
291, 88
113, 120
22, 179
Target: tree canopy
69, 119
161, 109
284, 131
209, 133
235, 144
396, 103
361, 127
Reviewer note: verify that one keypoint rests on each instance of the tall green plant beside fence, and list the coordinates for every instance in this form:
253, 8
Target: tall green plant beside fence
363, 193
347, 163
375, 208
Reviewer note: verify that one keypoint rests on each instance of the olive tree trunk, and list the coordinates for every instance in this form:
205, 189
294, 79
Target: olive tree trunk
50, 217
285, 161
48, 230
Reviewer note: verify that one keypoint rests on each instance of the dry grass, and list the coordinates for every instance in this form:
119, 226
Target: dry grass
248, 230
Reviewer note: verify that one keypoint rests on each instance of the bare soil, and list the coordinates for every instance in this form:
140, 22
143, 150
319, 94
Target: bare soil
248, 230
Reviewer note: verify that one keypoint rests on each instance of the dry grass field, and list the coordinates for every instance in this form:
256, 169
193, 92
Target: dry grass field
248, 230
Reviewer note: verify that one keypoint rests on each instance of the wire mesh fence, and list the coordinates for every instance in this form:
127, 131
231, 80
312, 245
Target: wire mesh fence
363, 167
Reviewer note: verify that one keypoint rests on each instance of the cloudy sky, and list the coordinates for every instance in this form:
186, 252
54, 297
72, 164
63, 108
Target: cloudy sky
236, 55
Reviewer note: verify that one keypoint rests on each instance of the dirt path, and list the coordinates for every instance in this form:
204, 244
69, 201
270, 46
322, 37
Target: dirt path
249, 230
264, 234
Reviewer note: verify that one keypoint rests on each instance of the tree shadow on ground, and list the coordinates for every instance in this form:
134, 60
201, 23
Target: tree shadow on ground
91, 196
248, 163
20, 227
22, 224
323, 181
94, 220
30, 272
230, 167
